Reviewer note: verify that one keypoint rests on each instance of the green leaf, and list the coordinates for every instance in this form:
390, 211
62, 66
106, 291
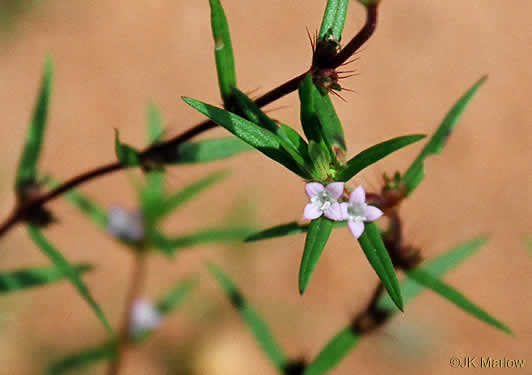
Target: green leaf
175, 297
437, 267
88, 207
286, 230
14, 281
27, 169
205, 236
330, 124
318, 234
378, 257
296, 140
308, 113
176, 200
454, 296
209, 150
126, 155
263, 140
255, 323
152, 198
373, 154
334, 19
83, 359
155, 124
333, 353
415, 173
69, 271
223, 51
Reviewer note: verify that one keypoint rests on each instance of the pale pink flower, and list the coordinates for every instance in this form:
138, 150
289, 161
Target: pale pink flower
357, 211
324, 200
144, 317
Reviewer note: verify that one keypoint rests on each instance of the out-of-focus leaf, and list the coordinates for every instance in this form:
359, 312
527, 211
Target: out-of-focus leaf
263, 140
415, 173
69, 271
286, 230
334, 19
253, 320
437, 267
223, 51
176, 200
27, 169
330, 123
14, 281
333, 353
88, 207
318, 234
378, 257
80, 360
155, 124
175, 297
454, 296
212, 235
126, 155
152, 198
209, 150
373, 154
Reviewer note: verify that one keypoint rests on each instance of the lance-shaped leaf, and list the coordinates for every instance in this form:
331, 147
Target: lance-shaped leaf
68, 271
126, 155
415, 173
14, 281
308, 112
333, 353
437, 267
378, 257
286, 230
27, 169
373, 154
255, 323
330, 123
77, 361
334, 19
152, 198
169, 245
155, 124
263, 140
223, 51
176, 200
318, 234
454, 296
209, 150
296, 140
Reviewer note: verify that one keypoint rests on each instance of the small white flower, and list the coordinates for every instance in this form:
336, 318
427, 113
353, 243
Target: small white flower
125, 225
324, 200
357, 211
144, 317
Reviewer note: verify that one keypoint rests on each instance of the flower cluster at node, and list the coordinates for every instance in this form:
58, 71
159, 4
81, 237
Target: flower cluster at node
327, 200
144, 317
125, 225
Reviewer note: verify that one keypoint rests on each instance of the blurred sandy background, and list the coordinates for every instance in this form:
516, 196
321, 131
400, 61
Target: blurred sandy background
112, 57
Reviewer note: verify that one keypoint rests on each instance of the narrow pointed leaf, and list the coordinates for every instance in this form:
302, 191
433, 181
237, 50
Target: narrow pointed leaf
263, 140
155, 124
334, 19
14, 281
27, 169
68, 271
152, 198
97, 214
209, 150
126, 155
255, 323
190, 191
175, 297
437, 267
213, 235
286, 230
318, 234
308, 112
223, 50
373, 154
83, 359
333, 353
378, 257
415, 173
296, 140
330, 123
454, 296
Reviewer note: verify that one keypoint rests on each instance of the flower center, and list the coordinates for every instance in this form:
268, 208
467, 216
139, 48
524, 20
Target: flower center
323, 200
356, 212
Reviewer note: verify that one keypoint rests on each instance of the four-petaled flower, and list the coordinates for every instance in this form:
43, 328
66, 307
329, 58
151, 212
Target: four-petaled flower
357, 211
324, 200
144, 317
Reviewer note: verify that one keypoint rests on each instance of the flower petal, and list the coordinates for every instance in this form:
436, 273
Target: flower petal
335, 212
356, 228
344, 206
372, 213
358, 195
312, 211
336, 189
313, 188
